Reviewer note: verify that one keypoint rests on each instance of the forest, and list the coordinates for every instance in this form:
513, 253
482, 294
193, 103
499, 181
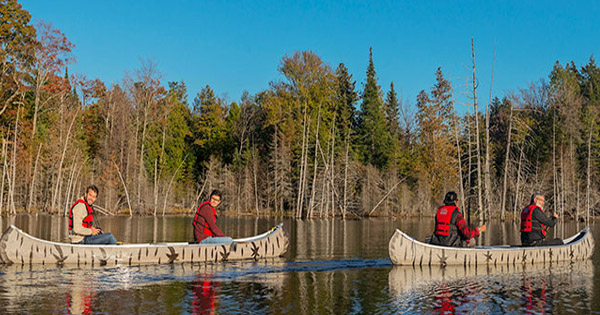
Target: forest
313, 144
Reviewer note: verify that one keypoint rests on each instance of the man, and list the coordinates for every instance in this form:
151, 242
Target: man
534, 223
82, 229
206, 230
450, 226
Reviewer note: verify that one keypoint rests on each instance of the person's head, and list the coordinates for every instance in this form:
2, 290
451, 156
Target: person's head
91, 193
215, 198
450, 199
538, 199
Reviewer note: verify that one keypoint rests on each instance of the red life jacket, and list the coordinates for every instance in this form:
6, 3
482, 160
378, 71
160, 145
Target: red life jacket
526, 222
443, 220
204, 223
88, 221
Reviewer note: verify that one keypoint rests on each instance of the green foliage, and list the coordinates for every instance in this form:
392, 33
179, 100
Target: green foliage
16, 35
208, 127
373, 136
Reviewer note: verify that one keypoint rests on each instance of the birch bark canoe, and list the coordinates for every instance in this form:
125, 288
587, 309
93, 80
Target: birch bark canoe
18, 247
405, 250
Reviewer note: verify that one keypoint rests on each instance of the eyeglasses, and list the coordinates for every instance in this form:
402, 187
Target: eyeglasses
215, 199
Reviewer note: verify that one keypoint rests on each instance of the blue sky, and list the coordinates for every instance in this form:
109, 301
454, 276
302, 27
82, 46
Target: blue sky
237, 45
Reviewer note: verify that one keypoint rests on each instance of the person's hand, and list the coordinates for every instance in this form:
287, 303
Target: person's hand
482, 229
555, 215
96, 231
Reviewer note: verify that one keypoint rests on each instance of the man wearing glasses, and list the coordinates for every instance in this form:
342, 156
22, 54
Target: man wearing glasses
206, 230
534, 223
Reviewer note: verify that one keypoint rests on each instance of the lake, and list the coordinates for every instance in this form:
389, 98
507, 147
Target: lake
332, 267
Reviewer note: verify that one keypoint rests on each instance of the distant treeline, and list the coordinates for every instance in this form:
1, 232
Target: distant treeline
311, 145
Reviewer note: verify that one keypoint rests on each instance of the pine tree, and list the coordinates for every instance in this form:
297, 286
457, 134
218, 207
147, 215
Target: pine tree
373, 135
391, 106
346, 99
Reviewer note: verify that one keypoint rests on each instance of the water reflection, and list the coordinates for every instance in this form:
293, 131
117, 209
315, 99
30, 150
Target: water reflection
537, 288
204, 294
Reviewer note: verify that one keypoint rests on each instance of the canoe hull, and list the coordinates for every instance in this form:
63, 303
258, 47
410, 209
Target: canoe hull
18, 247
405, 250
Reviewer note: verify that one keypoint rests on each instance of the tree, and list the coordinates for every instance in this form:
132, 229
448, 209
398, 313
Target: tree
435, 118
392, 113
16, 40
373, 135
52, 53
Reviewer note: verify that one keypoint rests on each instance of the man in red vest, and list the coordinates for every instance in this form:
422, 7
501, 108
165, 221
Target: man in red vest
82, 228
450, 226
206, 230
534, 223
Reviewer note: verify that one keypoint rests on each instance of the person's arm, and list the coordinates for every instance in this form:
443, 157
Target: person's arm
206, 213
79, 213
539, 215
463, 229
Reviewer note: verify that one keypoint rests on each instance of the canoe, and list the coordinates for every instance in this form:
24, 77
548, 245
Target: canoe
18, 247
405, 250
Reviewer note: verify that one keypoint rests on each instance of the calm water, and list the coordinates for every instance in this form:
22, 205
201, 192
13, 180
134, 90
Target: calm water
332, 267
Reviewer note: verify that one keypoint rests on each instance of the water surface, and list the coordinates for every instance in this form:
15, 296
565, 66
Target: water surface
331, 267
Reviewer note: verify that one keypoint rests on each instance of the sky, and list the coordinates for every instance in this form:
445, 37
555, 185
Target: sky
238, 45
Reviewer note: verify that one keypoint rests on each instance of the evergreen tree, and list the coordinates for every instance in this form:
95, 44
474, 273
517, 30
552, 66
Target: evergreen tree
373, 135
346, 99
391, 106
209, 125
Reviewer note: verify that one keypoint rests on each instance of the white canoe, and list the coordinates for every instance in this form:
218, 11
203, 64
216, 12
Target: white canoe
405, 250
18, 247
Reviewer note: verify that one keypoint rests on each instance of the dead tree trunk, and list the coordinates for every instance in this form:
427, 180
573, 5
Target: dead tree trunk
506, 166
589, 172
4, 171
57, 188
311, 203
488, 180
476, 113
32, 186
302, 179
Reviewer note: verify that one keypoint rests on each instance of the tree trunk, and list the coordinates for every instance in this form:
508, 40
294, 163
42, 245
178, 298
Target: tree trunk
170, 184
461, 188
506, 161
303, 166
488, 180
589, 174
311, 203
124, 187
476, 113
13, 209
32, 186
56, 195
345, 200
4, 172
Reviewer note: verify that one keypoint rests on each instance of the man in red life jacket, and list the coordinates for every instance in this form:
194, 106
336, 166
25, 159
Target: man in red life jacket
82, 228
534, 223
206, 230
450, 226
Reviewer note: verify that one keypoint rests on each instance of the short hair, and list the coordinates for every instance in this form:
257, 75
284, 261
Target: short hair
535, 195
215, 192
91, 187
450, 198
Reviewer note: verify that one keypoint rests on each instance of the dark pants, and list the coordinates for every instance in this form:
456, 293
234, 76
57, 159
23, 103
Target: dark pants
546, 242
